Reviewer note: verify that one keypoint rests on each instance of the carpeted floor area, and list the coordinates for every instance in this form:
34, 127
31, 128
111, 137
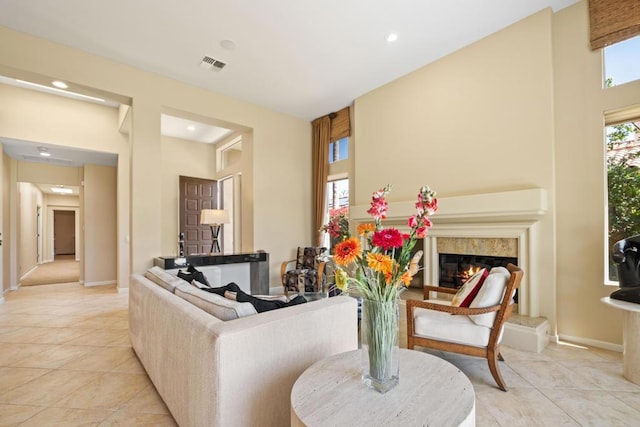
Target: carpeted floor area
62, 270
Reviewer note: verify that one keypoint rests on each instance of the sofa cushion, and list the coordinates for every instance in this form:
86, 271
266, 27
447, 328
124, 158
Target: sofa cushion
163, 278
216, 305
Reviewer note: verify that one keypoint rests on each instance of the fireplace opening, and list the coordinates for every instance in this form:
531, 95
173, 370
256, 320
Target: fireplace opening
455, 269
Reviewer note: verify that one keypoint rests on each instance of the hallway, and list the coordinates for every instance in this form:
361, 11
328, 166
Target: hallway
65, 269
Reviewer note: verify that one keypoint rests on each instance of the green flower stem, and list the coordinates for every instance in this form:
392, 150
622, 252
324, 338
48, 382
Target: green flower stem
381, 336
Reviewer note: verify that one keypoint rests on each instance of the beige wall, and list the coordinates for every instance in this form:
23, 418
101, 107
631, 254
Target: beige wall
7, 231
99, 213
580, 103
477, 121
276, 139
522, 108
180, 157
29, 199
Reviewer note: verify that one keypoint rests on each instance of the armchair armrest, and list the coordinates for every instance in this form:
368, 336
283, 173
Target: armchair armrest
283, 269
429, 288
321, 265
466, 311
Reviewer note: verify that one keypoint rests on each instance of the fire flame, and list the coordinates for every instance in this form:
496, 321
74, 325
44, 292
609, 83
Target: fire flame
470, 272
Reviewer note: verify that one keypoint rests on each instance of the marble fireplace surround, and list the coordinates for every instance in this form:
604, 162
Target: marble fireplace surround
503, 220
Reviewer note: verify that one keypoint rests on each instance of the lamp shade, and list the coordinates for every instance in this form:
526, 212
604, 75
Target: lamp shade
214, 217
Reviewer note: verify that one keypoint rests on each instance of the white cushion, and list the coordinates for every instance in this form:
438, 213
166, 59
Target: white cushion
490, 294
469, 289
163, 278
214, 304
447, 327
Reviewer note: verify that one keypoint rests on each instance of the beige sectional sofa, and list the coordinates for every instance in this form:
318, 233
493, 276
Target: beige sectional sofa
238, 372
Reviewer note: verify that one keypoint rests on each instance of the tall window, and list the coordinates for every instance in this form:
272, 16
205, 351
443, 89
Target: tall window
337, 194
337, 200
339, 150
623, 184
621, 63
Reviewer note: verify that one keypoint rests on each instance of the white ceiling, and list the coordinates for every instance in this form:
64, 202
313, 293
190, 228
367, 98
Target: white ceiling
303, 58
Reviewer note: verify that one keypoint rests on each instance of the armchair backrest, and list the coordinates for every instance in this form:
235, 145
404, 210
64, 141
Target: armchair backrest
506, 305
308, 257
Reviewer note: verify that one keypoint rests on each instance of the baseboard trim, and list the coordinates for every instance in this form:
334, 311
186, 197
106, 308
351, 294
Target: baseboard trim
102, 283
122, 290
592, 343
24, 276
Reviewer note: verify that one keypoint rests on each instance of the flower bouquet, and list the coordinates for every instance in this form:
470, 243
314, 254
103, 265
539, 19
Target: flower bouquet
338, 225
381, 266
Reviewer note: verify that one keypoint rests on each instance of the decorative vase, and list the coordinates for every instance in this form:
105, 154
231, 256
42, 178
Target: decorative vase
379, 336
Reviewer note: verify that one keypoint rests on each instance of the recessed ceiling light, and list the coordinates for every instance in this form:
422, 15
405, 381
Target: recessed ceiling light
49, 88
191, 128
391, 37
59, 84
61, 190
227, 44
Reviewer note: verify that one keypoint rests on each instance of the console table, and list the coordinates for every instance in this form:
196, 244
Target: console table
431, 392
630, 338
256, 262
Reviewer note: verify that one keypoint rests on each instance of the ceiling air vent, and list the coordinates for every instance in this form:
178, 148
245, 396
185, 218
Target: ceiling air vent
213, 64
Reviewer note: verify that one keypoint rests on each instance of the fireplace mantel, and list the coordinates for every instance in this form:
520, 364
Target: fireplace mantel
508, 214
517, 205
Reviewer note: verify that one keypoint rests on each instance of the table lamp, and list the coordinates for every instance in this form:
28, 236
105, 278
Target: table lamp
214, 218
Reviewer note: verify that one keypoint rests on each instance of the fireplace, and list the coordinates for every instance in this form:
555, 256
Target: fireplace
505, 224
455, 269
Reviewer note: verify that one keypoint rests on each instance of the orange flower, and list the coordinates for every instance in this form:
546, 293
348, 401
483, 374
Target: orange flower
406, 278
347, 251
366, 228
380, 263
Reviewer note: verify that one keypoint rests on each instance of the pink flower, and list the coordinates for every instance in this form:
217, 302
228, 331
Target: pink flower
413, 221
378, 209
421, 232
387, 239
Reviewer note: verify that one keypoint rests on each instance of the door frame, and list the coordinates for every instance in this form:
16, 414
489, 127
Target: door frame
50, 228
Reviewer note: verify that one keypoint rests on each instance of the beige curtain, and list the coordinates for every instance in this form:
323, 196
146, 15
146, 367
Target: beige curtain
326, 129
613, 21
320, 168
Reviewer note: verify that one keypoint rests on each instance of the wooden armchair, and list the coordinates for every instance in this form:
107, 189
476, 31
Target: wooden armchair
473, 330
307, 275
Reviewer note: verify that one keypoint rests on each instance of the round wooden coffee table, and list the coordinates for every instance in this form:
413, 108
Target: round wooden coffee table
431, 392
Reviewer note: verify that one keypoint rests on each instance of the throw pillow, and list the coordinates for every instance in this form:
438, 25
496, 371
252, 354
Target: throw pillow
490, 294
469, 289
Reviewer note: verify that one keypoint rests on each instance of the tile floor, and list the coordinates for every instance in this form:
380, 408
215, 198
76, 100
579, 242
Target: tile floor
65, 359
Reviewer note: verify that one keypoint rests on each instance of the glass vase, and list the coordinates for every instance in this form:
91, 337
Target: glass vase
379, 337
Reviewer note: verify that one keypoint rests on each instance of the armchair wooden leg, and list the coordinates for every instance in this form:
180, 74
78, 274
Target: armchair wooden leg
492, 358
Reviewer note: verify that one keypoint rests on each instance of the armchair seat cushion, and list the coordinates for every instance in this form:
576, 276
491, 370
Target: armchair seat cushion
443, 326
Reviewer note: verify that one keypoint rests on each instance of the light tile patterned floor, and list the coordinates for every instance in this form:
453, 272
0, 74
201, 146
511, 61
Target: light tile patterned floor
65, 359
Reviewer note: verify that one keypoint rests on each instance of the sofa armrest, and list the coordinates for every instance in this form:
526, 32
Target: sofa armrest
271, 350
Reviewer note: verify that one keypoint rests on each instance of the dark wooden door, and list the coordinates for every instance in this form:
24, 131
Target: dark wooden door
196, 194
64, 232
